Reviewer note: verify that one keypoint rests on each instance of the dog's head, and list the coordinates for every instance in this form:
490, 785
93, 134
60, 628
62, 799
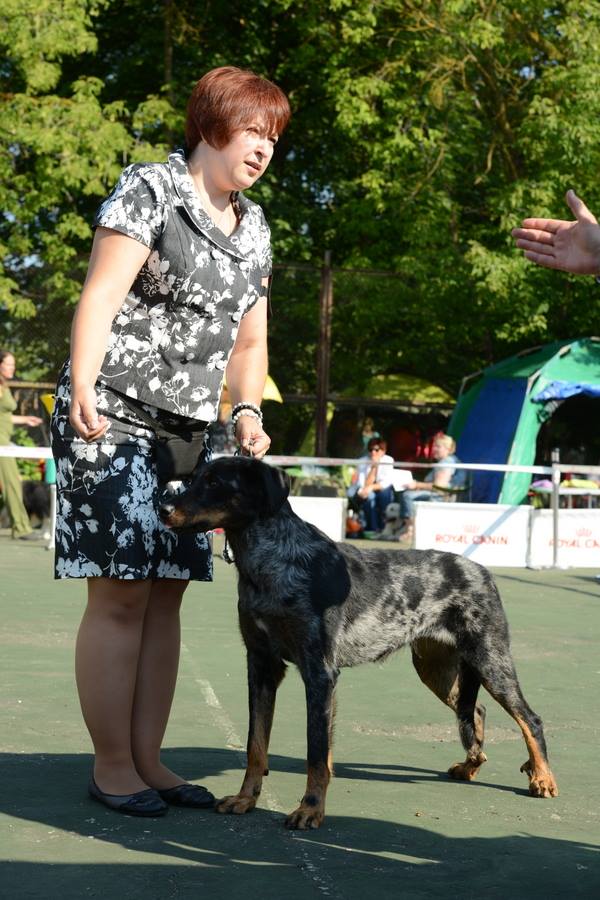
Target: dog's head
229, 493
392, 512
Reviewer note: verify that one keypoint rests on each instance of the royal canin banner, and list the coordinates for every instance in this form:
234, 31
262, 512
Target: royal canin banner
489, 533
578, 538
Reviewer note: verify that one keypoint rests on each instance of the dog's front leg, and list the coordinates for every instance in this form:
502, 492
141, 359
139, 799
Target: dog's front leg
265, 674
320, 688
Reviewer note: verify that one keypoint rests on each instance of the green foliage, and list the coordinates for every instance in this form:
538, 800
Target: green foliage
29, 469
421, 134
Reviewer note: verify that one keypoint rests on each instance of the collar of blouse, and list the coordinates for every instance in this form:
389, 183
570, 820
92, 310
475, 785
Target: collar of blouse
184, 186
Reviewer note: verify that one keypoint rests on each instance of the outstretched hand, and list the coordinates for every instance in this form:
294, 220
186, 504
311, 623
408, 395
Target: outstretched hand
559, 244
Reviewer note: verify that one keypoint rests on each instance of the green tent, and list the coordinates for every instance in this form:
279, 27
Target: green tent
501, 409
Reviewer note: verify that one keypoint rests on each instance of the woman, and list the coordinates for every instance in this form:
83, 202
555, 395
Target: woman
442, 451
176, 293
10, 480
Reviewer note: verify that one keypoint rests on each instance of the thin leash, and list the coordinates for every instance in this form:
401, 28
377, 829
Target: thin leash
227, 554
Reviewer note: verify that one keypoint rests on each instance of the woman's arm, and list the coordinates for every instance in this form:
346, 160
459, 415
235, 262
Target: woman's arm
114, 263
31, 421
246, 376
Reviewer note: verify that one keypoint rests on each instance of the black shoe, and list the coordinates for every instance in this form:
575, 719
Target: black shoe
32, 536
192, 795
142, 803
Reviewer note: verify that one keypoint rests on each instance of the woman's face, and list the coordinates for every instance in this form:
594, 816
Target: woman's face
7, 366
241, 162
440, 451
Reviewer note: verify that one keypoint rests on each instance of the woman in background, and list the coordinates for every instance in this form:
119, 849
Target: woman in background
10, 480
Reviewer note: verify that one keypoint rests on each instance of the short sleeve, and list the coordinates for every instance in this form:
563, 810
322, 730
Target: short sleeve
262, 263
264, 248
136, 206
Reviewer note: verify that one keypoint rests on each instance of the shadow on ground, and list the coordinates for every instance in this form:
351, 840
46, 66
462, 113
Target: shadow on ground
252, 856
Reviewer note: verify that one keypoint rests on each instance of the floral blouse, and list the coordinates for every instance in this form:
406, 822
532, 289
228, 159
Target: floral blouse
171, 340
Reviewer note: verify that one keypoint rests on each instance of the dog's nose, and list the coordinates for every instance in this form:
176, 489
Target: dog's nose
166, 511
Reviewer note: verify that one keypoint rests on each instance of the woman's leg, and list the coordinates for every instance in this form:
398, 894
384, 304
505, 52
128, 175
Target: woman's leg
12, 492
156, 677
370, 512
383, 498
106, 665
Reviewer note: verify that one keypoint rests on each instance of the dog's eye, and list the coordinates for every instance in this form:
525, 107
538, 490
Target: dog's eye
212, 482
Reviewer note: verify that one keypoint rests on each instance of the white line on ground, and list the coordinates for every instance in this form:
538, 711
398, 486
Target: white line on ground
320, 880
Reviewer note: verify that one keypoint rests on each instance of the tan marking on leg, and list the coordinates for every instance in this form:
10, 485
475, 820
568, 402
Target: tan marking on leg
311, 811
541, 779
437, 667
467, 770
245, 800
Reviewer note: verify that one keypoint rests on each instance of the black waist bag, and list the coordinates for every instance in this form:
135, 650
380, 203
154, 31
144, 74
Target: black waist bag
178, 454
178, 449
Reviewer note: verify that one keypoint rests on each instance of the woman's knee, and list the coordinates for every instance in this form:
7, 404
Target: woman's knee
123, 600
167, 594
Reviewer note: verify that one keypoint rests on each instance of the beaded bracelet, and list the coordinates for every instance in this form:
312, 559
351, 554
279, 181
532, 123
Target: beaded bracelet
247, 412
252, 406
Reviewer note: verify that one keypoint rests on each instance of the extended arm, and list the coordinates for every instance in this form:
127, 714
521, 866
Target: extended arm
31, 421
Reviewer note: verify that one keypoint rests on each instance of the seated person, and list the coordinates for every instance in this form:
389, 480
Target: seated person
373, 487
442, 451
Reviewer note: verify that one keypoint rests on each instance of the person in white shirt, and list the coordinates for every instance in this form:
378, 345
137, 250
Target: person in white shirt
374, 486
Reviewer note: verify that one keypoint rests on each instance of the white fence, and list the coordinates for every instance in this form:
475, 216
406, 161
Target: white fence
554, 538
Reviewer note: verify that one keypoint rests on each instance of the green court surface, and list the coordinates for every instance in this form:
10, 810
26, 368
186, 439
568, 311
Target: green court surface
396, 825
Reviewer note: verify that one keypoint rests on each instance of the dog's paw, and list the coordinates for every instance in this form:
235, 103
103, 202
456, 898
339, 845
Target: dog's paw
541, 783
467, 770
236, 805
305, 817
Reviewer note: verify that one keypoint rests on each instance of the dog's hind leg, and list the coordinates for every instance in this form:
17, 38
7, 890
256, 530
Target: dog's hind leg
320, 688
499, 677
441, 668
265, 674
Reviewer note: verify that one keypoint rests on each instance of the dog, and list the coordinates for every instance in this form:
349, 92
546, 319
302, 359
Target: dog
36, 500
323, 605
393, 523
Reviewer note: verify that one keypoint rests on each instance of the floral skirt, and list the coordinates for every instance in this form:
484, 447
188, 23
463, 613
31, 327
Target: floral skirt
108, 496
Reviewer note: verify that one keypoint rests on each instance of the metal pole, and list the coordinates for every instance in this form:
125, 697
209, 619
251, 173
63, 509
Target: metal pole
555, 459
323, 354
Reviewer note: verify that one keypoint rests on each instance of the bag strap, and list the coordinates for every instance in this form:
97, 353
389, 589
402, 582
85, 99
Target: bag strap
160, 431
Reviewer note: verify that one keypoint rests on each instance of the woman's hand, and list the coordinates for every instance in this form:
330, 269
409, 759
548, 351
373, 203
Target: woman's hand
250, 436
83, 415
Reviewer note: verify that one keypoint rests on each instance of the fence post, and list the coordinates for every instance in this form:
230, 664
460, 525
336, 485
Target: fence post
555, 459
323, 354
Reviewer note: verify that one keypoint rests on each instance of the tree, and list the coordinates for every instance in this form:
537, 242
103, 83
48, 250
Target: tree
422, 132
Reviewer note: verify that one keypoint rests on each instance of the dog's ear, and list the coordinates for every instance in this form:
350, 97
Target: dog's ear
276, 487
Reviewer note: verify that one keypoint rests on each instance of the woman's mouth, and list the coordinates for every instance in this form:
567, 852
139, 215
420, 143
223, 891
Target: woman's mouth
254, 166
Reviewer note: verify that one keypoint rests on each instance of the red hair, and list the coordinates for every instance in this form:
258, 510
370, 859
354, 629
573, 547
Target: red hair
228, 99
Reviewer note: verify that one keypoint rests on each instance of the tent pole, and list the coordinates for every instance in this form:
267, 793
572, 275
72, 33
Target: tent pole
555, 458
324, 354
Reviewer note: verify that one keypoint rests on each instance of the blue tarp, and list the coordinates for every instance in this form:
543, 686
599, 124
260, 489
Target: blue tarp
489, 431
560, 390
